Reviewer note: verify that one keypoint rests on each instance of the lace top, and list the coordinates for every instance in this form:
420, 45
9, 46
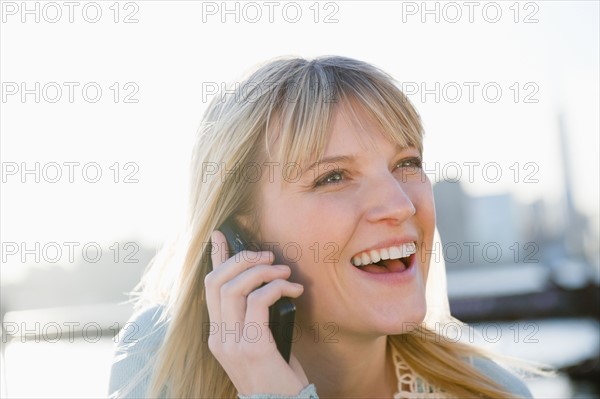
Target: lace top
410, 384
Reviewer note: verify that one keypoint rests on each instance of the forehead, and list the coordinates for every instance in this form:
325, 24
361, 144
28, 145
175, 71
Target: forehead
353, 127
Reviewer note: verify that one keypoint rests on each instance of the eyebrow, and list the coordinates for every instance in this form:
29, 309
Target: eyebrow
346, 158
334, 159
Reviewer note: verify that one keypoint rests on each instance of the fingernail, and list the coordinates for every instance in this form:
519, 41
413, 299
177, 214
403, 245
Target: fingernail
298, 285
282, 267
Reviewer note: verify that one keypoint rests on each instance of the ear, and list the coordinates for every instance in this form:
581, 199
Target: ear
249, 226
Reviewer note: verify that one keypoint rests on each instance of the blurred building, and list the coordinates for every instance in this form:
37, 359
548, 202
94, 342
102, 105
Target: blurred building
481, 230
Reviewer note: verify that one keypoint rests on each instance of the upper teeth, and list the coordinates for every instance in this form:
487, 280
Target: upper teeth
375, 255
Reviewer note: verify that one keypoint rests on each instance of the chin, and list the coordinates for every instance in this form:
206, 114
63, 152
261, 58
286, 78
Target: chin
402, 320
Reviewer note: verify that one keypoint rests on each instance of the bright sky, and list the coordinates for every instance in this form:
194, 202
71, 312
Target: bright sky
177, 49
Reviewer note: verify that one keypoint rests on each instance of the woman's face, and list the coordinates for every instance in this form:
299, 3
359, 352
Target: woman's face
364, 198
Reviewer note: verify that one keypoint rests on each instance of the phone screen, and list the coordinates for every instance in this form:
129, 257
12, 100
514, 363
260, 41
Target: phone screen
282, 312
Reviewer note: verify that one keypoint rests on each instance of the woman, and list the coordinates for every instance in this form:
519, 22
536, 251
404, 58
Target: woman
319, 164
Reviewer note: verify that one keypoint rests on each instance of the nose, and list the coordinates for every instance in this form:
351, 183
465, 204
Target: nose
388, 201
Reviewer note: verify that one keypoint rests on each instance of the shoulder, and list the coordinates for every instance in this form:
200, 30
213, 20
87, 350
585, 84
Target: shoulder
143, 331
502, 376
138, 341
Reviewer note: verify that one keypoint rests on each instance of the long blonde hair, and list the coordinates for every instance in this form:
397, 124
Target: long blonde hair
294, 99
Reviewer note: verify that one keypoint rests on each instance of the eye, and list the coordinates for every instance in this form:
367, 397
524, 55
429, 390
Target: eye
412, 162
333, 177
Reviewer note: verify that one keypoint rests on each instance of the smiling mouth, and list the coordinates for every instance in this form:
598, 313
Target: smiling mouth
393, 259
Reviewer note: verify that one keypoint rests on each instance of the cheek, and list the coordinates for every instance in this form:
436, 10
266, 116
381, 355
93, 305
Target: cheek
323, 229
421, 195
320, 229
307, 231
324, 218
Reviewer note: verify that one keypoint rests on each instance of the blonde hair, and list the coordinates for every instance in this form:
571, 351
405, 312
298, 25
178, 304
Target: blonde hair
293, 100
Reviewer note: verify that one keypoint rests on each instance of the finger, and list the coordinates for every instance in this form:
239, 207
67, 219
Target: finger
252, 278
212, 285
237, 264
260, 299
234, 293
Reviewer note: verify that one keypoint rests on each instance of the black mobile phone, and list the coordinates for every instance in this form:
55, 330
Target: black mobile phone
282, 312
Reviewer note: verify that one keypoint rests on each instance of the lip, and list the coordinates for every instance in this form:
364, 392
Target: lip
392, 277
386, 244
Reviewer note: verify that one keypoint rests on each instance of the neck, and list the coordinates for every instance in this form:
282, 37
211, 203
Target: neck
347, 366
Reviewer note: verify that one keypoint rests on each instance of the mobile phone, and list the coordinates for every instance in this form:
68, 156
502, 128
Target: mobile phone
282, 312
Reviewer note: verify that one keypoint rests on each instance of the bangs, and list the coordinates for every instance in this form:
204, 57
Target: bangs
304, 104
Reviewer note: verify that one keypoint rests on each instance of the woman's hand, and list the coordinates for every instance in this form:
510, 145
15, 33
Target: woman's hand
243, 343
